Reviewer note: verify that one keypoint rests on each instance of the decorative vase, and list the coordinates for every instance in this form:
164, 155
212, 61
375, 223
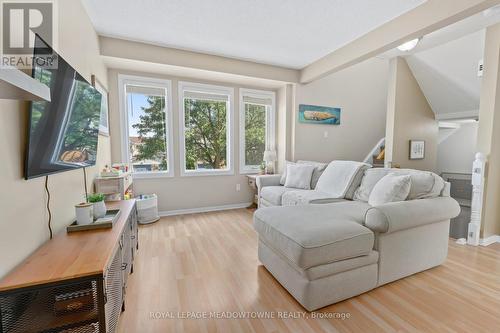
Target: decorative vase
99, 209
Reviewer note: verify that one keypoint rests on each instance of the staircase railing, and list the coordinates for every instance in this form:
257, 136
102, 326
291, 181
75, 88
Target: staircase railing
369, 157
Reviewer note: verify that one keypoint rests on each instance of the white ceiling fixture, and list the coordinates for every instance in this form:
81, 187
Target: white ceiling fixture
408, 46
287, 33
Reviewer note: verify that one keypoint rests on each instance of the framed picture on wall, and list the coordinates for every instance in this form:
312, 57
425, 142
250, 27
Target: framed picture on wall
417, 149
104, 122
314, 114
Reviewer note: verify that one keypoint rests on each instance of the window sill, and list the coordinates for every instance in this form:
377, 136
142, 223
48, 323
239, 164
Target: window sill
249, 172
149, 175
206, 173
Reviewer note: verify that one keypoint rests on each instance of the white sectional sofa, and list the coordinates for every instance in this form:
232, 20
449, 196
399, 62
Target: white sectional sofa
325, 253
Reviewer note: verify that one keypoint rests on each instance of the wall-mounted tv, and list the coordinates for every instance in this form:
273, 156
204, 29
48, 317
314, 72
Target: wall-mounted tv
63, 133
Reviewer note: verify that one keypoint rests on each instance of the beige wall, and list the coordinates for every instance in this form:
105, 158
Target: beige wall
23, 217
188, 192
409, 116
488, 141
284, 122
361, 92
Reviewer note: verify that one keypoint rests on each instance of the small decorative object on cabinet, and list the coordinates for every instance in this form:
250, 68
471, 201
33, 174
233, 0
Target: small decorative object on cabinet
97, 200
115, 187
81, 291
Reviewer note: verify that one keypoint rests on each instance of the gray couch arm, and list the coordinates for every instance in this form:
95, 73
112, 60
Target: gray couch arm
403, 215
267, 180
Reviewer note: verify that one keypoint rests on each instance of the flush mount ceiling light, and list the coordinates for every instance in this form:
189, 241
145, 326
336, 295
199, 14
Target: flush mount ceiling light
408, 46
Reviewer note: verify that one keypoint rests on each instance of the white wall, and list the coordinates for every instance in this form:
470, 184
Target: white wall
361, 92
456, 153
23, 216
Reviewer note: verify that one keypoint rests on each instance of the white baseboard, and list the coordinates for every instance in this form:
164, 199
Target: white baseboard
204, 209
489, 240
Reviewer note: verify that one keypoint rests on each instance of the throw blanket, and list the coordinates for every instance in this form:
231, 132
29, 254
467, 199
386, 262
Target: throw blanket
338, 177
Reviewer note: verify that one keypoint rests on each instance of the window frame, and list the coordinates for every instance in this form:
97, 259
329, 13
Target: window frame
124, 80
210, 89
270, 126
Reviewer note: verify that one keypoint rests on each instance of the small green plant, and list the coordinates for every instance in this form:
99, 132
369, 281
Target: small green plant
96, 197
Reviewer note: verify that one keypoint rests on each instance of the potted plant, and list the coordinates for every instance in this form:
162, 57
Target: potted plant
97, 199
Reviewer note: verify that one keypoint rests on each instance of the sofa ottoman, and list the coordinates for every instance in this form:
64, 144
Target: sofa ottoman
319, 256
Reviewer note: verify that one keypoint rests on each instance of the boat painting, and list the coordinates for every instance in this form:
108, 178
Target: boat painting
313, 114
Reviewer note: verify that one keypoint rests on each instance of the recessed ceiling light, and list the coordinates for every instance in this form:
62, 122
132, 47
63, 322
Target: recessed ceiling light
408, 46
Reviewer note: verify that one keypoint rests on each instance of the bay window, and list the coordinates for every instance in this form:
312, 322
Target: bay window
257, 113
146, 117
205, 129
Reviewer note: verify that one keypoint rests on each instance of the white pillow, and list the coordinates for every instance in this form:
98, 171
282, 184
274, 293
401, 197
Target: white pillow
424, 184
318, 170
299, 176
283, 175
391, 188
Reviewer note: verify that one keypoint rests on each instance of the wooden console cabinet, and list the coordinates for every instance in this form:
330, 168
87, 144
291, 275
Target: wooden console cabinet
73, 283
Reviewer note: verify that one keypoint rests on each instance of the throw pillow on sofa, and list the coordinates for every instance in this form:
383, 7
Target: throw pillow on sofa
391, 188
283, 175
299, 176
424, 184
318, 170
338, 177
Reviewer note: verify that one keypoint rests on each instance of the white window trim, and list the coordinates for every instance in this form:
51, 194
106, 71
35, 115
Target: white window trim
122, 96
270, 125
191, 86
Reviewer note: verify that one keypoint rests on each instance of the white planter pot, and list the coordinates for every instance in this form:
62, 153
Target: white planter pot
99, 209
84, 213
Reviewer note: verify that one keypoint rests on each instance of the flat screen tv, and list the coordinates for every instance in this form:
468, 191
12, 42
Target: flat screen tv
63, 133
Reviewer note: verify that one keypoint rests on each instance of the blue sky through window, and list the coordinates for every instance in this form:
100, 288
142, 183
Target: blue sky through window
136, 102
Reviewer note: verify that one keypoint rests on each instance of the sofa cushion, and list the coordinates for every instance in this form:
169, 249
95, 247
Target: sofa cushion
338, 177
299, 176
315, 234
391, 188
318, 272
318, 170
295, 198
356, 181
424, 184
273, 194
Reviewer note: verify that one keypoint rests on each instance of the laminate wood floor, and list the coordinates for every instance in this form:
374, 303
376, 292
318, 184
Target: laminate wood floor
192, 268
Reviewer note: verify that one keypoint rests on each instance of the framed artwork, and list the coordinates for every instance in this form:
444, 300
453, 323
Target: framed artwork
104, 122
417, 149
313, 114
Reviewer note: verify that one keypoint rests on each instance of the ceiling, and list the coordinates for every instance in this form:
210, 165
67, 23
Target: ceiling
447, 75
287, 33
